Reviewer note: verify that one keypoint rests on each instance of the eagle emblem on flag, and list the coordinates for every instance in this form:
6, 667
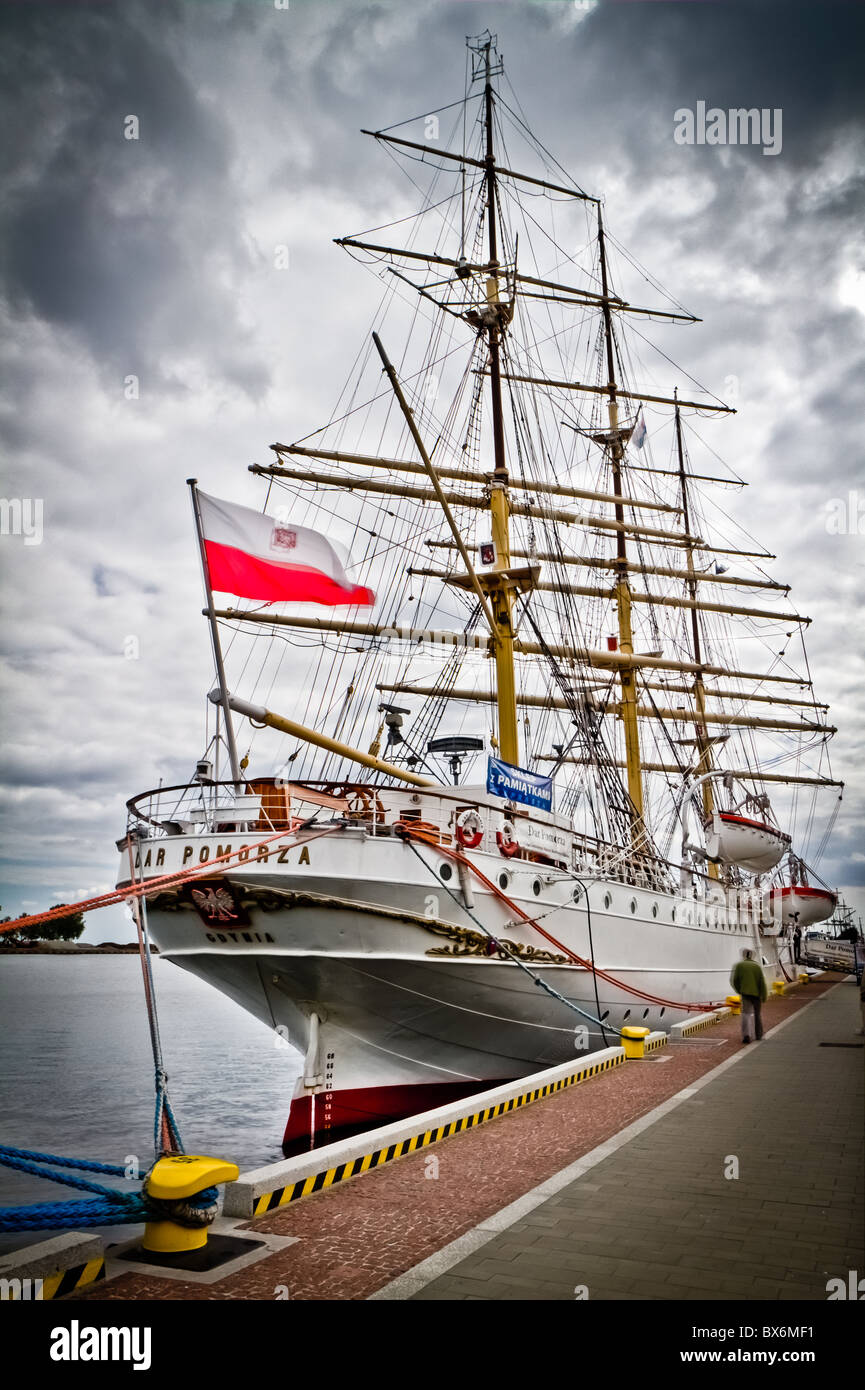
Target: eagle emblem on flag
283, 538
254, 555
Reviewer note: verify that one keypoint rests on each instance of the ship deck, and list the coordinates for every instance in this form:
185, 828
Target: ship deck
617, 1185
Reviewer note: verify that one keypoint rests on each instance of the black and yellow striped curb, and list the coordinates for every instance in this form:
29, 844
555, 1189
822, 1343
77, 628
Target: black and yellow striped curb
652, 1044
317, 1182
686, 1029
56, 1285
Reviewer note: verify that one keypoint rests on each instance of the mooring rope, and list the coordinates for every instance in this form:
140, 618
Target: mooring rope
147, 887
166, 1135
409, 833
108, 1206
500, 946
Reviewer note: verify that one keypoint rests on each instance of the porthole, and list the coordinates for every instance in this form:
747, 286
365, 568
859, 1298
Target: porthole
633, 904
663, 1011
536, 887
626, 1015
446, 871
673, 915
607, 900
605, 1015
504, 880
654, 909
645, 1013
577, 894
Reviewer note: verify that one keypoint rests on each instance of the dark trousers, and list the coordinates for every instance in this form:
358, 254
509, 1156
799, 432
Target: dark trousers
752, 1006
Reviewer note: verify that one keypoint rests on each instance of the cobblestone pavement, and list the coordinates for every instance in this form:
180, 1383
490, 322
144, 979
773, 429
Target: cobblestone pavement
664, 1217
356, 1238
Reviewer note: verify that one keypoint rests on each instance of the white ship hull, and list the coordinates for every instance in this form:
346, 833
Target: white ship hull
378, 971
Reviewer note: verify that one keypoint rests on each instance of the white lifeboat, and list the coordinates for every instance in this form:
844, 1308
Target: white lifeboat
750, 844
800, 904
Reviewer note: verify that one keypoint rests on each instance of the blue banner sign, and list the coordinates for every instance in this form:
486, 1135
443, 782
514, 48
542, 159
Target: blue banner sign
516, 784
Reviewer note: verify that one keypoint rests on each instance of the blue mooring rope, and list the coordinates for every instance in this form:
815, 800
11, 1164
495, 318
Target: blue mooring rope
108, 1208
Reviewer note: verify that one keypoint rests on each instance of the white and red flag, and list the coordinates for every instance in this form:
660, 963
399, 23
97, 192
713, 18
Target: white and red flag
255, 556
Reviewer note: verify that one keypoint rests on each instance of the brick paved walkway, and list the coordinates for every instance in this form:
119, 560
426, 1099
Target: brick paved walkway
658, 1219
353, 1240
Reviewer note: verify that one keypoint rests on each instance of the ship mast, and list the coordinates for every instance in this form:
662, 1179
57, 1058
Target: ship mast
498, 582
627, 677
503, 572
703, 742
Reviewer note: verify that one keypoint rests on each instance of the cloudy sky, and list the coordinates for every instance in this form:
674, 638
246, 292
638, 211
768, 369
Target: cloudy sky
149, 334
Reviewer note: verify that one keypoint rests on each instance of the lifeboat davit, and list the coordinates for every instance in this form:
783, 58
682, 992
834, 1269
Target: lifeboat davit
750, 844
801, 904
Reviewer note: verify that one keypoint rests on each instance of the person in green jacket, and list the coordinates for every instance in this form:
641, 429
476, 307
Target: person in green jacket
749, 982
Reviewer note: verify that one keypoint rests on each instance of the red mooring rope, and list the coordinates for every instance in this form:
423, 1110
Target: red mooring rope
411, 833
144, 888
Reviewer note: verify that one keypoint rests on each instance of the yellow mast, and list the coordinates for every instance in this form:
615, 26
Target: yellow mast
498, 582
704, 743
627, 676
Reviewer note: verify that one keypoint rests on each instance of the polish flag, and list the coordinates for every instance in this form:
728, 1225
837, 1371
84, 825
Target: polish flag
255, 556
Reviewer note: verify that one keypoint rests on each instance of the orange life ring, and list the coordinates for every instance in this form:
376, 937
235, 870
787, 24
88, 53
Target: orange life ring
507, 841
466, 836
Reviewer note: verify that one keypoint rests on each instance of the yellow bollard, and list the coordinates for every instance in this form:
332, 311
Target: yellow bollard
734, 1003
174, 1181
634, 1042
777, 987
803, 977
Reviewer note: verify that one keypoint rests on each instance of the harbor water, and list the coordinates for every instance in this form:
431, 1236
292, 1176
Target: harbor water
77, 1075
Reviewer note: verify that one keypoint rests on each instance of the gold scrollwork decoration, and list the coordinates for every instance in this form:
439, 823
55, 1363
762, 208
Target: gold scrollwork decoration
465, 942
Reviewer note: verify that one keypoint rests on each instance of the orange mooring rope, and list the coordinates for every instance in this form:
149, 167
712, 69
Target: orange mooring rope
144, 889
151, 885
409, 832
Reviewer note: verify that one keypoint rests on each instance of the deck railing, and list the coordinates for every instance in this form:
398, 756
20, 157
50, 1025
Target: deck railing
268, 804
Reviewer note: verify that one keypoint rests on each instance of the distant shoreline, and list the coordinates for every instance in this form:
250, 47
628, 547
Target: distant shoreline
72, 948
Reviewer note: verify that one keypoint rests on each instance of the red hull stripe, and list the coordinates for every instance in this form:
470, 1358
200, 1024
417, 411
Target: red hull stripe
803, 893
234, 571
729, 818
338, 1113
326, 1177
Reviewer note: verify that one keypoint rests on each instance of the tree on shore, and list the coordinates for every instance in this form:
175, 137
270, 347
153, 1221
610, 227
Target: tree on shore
9, 938
67, 928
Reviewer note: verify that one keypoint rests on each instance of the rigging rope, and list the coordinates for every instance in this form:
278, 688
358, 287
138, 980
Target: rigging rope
503, 949
408, 832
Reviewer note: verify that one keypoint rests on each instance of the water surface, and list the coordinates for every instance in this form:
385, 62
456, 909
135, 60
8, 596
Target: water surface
76, 1075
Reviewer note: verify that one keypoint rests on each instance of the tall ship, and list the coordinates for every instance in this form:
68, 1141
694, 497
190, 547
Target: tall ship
537, 750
